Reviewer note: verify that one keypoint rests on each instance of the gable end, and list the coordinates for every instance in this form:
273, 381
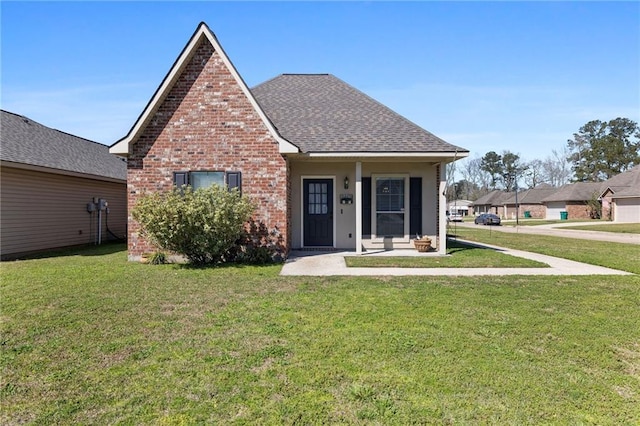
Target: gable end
123, 146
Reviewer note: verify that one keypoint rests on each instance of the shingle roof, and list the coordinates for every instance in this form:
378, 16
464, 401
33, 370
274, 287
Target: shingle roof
626, 184
579, 191
321, 113
533, 195
25, 141
493, 198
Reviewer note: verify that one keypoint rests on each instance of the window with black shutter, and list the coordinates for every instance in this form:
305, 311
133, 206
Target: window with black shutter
204, 179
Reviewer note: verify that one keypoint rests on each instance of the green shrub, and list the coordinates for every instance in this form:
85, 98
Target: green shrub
158, 258
202, 225
258, 245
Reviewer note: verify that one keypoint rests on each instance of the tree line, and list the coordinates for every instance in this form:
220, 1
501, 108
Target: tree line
597, 151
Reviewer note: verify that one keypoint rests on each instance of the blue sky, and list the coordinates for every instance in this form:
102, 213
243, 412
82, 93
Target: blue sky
515, 76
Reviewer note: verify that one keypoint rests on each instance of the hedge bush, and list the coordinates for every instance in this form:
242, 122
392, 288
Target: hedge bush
202, 225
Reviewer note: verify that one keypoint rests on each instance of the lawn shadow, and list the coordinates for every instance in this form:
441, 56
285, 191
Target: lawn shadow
455, 246
81, 250
225, 265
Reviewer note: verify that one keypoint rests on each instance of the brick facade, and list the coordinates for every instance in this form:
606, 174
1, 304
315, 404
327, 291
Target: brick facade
538, 211
206, 123
578, 210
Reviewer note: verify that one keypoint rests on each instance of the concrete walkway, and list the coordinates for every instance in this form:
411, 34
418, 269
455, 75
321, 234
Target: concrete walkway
556, 230
306, 263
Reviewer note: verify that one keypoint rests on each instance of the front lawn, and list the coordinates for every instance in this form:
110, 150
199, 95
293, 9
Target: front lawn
625, 228
625, 257
460, 256
535, 222
88, 338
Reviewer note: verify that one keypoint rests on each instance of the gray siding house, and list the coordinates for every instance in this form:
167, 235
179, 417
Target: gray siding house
48, 178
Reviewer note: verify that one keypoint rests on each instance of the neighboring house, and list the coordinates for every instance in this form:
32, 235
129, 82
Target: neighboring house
529, 200
461, 207
326, 165
493, 202
621, 196
574, 199
48, 178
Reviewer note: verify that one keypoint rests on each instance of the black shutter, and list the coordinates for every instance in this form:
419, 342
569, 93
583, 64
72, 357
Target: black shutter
366, 206
180, 179
234, 180
415, 206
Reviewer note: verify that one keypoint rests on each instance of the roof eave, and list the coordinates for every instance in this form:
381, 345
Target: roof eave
442, 155
44, 169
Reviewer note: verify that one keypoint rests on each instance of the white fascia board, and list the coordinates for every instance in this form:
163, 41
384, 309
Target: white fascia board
439, 155
121, 147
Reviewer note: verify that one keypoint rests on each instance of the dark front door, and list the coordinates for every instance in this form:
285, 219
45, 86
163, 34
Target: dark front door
318, 212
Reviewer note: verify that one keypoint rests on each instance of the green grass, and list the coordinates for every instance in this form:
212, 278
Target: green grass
88, 338
535, 222
625, 228
460, 256
625, 257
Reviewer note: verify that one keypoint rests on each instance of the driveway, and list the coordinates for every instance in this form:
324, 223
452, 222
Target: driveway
556, 230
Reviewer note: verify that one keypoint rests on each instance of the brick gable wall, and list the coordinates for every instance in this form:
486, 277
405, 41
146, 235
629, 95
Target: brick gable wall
207, 123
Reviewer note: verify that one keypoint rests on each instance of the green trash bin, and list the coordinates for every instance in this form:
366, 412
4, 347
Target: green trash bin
527, 214
564, 215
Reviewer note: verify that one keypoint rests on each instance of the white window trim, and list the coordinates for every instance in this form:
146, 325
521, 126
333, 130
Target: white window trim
302, 206
374, 210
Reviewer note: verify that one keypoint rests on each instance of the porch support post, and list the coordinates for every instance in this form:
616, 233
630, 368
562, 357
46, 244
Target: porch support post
442, 210
358, 207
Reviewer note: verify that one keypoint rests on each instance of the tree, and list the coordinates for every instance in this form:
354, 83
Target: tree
535, 173
461, 190
477, 179
512, 169
557, 169
492, 164
600, 150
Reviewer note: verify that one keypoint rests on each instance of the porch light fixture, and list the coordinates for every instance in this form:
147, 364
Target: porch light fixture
346, 182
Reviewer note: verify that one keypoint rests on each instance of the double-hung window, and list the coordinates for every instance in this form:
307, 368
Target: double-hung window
391, 200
